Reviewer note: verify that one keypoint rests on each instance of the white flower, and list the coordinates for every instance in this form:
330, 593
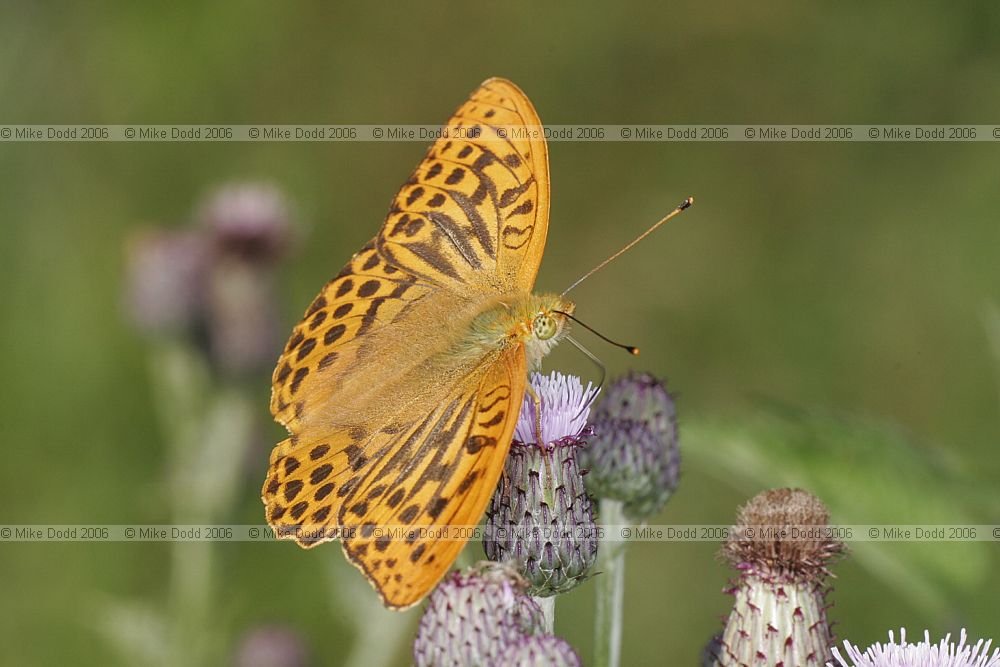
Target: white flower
943, 654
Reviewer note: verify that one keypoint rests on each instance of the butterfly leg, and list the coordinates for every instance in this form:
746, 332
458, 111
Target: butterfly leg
536, 399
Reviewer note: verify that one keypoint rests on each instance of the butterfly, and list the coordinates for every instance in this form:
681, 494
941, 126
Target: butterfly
401, 386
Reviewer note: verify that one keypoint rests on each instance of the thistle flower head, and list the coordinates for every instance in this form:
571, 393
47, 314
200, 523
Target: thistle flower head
781, 548
565, 408
249, 220
271, 646
540, 519
214, 283
541, 651
249, 228
166, 271
473, 616
634, 455
923, 654
757, 545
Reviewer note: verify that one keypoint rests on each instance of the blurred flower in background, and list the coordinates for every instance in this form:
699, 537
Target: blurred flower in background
779, 614
923, 654
272, 646
248, 220
165, 280
248, 229
214, 282
204, 297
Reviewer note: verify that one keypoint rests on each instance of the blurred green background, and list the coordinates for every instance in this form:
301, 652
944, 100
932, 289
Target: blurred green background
823, 311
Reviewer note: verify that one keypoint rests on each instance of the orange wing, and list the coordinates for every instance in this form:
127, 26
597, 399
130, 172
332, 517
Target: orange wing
438, 470
469, 223
476, 210
366, 295
472, 216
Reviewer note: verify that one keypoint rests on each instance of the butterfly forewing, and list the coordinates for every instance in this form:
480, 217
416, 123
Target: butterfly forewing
388, 427
365, 296
469, 215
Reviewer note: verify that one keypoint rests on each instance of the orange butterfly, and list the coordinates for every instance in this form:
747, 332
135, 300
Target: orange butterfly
402, 384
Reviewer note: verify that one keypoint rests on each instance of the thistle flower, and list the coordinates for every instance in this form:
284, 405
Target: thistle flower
541, 651
634, 456
249, 228
271, 646
781, 550
473, 616
250, 220
214, 283
540, 518
943, 654
165, 272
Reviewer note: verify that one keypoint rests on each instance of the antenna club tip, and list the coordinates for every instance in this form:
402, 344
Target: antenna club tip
687, 202
634, 351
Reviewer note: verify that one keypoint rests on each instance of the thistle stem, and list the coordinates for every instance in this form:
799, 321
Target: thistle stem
548, 605
610, 588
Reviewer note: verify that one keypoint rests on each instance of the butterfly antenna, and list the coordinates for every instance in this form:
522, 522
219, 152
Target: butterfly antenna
631, 349
677, 211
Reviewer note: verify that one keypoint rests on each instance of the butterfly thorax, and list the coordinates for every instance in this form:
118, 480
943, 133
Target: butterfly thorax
533, 320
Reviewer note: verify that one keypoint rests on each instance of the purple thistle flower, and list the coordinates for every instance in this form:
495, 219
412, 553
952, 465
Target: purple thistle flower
924, 654
165, 277
249, 220
541, 651
565, 408
473, 616
249, 229
271, 646
214, 284
540, 519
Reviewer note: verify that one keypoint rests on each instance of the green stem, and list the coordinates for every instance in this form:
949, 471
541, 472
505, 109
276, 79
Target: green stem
379, 634
548, 605
610, 588
207, 428
179, 384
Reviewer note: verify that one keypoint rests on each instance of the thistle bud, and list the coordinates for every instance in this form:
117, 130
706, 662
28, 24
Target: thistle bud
944, 654
540, 518
473, 616
779, 615
634, 455
541, 651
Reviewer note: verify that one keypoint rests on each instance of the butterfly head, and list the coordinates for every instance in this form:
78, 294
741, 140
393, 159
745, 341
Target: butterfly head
543, 323
548, 318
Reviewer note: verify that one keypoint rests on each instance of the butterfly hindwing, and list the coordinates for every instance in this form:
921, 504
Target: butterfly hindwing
439, 473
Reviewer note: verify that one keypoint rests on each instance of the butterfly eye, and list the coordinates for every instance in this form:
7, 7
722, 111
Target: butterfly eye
544, 326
